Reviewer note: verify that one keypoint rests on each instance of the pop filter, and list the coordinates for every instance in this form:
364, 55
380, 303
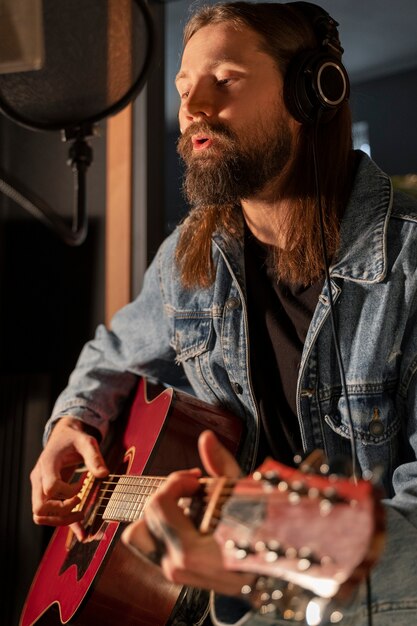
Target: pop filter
96, 58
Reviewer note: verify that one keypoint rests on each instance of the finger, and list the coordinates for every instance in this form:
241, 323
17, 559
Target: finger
69, 444
58, 513
89, 449
149, 535
182, 568
139, 540
57, 490
163, 513
78, 530
217, 580
217, 460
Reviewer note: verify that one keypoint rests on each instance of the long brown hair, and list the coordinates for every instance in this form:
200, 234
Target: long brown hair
284, 33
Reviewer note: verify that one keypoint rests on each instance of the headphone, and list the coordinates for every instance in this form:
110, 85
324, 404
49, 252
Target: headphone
316, 82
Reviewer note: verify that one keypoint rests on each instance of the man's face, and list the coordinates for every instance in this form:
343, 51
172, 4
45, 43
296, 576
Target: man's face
236, 133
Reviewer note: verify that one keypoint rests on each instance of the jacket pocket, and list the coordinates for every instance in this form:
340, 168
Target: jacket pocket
374, 418
192, 335
375, 432
194, 342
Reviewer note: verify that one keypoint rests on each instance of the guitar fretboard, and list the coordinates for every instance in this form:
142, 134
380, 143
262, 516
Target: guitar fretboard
129, 495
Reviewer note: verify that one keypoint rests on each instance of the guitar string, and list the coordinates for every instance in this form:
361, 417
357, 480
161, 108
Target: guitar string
124, 509
126, 485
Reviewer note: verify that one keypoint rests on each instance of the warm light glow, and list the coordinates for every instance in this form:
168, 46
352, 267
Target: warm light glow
314, 612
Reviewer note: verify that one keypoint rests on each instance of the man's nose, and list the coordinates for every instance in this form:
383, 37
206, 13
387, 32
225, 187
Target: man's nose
199, 104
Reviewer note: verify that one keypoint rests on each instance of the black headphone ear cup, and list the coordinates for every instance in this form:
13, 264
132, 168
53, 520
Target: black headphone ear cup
315, 81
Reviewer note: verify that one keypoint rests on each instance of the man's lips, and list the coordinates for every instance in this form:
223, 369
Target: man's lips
201, 142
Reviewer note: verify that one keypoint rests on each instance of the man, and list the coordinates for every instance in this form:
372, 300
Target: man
236, 304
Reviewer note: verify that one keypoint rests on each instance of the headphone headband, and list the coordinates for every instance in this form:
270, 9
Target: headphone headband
324, 26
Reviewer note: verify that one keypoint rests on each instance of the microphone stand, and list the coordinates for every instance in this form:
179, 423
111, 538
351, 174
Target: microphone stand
80, 157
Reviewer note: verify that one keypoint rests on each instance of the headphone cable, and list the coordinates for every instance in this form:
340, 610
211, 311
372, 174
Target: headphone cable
329, 288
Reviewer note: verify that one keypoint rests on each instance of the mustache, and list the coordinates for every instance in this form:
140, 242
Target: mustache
215, 130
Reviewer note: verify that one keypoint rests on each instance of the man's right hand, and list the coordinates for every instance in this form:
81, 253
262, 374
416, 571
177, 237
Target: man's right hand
53, 498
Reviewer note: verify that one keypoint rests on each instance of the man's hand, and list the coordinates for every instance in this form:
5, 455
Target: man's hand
189, 558
52, 497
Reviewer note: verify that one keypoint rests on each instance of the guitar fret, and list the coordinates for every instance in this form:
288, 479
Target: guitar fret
129, 496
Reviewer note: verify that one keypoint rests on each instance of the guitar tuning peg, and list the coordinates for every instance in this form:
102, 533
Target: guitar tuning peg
325, 507
373, 476
315, 611
330, 493
241, 550
313, 493
298, 486
304, 564
241, 554
294, 497
274, 546
272, 478
291, 553
260, 546
273, 551
311, 463
271, 556
321, 609
324, 469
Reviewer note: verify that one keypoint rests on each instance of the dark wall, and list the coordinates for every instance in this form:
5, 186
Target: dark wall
388, 104
51, 299
51, 294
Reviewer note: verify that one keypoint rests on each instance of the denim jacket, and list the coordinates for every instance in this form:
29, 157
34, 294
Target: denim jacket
199, 338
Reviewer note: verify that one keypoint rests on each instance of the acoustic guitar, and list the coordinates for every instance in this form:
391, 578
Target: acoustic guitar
98, 581
312, 536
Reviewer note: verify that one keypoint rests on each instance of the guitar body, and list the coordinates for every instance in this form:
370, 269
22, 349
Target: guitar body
99, 581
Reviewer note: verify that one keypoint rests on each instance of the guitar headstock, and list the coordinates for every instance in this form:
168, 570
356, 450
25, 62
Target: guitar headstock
321, 533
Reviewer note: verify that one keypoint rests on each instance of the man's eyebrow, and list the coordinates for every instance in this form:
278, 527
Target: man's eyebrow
183, 74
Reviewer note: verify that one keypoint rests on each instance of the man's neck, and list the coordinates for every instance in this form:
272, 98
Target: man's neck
267, 213
267, 219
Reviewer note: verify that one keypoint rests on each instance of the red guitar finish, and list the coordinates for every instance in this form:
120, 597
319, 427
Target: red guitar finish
98, 581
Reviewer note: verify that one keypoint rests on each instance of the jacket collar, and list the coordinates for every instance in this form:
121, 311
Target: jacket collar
362, 251
362, 254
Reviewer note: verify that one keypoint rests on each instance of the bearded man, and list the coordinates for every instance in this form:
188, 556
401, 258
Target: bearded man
237, 305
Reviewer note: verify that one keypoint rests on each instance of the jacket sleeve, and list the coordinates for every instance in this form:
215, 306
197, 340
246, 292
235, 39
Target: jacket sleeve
137, 343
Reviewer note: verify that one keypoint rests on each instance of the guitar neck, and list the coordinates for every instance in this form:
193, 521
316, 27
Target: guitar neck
123, 498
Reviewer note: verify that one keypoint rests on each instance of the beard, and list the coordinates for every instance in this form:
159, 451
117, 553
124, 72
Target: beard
234, 168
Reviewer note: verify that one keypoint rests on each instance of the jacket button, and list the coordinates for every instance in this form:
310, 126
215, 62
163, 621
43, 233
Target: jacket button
376, 428
232, 303
238, 389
